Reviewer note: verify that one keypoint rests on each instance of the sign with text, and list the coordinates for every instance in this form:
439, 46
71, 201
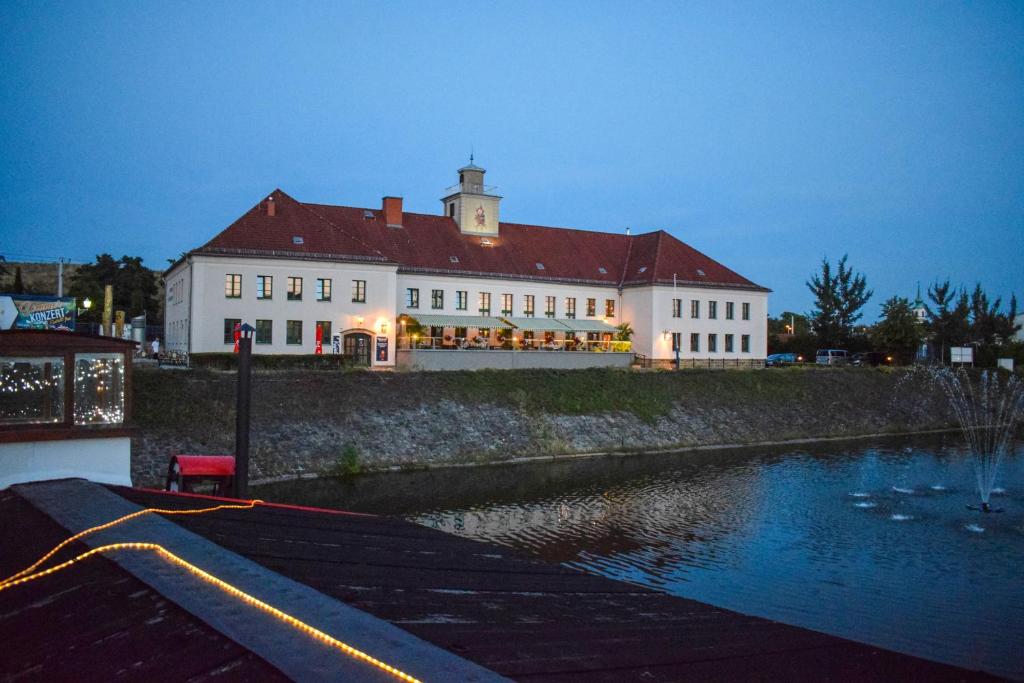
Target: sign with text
382, 349
36, 312
961, 354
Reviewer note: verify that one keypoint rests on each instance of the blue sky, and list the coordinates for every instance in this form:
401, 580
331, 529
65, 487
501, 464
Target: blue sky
768, 135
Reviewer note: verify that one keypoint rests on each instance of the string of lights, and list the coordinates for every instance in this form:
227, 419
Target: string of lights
248, 505
28, 574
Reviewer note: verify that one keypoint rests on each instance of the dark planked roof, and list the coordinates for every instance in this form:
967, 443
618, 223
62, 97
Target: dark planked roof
96, 622
426, 243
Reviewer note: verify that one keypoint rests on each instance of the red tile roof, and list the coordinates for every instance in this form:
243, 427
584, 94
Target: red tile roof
434, 244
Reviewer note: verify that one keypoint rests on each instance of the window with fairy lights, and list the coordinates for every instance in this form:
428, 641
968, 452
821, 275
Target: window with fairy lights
31, 390
99, 388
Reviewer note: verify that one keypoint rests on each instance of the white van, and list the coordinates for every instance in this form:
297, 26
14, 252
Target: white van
832, 357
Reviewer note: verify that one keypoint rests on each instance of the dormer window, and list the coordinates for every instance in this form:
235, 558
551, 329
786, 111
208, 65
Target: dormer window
484, 242
296, 239
602, 270
701, 273
453, 259
540, 266
367, 214
643, 269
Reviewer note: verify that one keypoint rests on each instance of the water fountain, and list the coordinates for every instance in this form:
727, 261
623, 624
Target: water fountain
988, 409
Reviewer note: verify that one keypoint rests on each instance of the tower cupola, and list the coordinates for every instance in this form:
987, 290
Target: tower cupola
471, 204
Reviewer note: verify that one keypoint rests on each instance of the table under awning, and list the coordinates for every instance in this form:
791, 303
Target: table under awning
476, 321
537, 324
589, 326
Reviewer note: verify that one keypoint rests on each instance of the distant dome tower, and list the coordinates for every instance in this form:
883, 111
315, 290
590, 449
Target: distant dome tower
470, 203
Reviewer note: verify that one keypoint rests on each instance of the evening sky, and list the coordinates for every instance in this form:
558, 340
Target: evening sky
765, 135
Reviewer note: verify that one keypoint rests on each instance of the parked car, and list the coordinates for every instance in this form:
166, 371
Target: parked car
778, 359
872, 359
832, 357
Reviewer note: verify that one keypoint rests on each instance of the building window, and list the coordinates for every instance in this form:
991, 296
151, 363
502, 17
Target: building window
412, 298
295, 289
549, 306
485, 303
264, 287
359, 291
746, 311
730, 308
233, 286
229, 329
437, 299
712, 343
506, 304
677, 340
570, 307
745, 343
293, 332
712, 310
694, 308
694, 342
591, 307
325, 331
528, 305
609, 308
323, 289
461, 300
677, 308
264, 332
451, 210
728, 343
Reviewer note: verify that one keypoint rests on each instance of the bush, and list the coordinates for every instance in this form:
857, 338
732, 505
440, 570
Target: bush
347, 463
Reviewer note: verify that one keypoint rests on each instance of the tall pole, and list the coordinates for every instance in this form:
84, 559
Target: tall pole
242, 415
678, 336
60, 277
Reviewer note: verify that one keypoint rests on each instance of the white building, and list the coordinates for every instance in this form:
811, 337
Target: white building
361, 275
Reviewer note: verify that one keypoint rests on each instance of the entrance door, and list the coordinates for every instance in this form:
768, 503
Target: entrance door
357, 348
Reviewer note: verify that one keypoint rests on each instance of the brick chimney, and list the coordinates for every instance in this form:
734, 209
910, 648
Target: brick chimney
393, 211
271, 207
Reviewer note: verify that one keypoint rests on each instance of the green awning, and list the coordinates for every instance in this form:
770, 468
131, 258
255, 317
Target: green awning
538, 324
588, 326
476, 321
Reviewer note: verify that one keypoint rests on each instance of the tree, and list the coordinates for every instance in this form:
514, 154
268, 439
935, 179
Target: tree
838, 300
135, 286
899, 331
948, 320
625, 332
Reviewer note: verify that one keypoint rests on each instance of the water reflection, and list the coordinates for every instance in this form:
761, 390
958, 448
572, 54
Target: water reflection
871, 542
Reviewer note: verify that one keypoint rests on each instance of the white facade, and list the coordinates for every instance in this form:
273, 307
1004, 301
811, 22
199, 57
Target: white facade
737, 313
198, 306
196, 319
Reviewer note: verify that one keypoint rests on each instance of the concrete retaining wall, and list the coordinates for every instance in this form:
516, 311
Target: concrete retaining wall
436, 359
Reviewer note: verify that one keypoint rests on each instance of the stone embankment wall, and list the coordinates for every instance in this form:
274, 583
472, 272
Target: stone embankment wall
302, 422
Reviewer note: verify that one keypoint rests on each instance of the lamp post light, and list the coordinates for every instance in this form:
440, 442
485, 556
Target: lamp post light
241, 484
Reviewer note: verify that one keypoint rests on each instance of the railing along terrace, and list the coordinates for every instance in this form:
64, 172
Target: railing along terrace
481, 344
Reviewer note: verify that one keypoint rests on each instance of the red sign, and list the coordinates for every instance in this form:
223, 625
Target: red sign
319, 340
238, 335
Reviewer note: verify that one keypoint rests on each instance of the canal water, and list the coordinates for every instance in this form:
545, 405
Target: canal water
867, 540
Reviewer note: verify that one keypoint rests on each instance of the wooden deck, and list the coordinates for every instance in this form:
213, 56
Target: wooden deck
529, 620
95, 622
